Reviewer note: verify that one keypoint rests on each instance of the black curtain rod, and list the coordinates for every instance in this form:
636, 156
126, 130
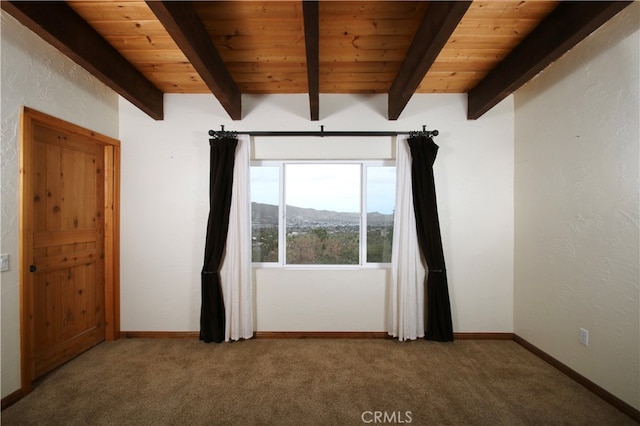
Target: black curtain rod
219, 134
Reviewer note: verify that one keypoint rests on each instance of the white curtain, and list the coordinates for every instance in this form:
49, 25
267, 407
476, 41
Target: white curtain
236, 269
405, 319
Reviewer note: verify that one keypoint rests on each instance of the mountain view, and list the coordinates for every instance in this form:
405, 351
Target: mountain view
319, 236
267, 214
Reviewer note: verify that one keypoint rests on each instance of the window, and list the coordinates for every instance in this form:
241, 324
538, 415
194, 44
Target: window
322, 213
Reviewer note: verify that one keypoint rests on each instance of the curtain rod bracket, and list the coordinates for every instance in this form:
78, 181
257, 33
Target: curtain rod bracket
221, 134
424, 132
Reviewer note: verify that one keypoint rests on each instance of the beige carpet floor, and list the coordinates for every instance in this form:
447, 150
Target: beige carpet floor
309, 382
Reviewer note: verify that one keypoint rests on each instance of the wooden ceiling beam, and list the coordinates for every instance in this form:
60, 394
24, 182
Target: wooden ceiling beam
440, 20
182, 22
59, 25
312, 45
561, 30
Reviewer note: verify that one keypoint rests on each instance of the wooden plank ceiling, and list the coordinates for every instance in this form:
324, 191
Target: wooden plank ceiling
230, 48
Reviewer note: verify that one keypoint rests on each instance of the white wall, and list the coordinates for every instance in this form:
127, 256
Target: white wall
577, 206
36, 75
164, 209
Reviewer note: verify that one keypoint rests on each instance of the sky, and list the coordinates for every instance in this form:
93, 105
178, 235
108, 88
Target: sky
326, 187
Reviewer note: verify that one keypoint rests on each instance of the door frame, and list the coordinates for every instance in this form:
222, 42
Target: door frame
111, 214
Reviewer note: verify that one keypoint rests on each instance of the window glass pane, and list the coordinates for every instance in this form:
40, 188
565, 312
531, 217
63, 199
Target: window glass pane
265, 199
323, 214
381, 194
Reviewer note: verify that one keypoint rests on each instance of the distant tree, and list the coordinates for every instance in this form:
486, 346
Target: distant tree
320, 233
379, 242
324, 248
265, 245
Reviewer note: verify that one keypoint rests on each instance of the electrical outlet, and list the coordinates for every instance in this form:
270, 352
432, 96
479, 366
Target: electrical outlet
584, 337
4, 262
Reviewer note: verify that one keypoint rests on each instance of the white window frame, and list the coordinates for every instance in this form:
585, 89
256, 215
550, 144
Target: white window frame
281, 263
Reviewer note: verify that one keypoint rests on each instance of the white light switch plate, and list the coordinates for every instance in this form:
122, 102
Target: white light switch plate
584, 337
4, 262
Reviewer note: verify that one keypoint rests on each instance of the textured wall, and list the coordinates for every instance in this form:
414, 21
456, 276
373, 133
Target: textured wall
36, 75
164, 209
577, 208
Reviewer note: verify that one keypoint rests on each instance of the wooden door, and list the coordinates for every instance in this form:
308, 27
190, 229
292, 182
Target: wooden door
65, 200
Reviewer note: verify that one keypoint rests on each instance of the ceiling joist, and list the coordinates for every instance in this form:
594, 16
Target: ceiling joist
63, 28
561, 30
439, 22
312, 45
181, 21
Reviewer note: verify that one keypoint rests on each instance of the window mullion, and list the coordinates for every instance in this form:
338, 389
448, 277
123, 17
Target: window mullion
282, 220
363, 215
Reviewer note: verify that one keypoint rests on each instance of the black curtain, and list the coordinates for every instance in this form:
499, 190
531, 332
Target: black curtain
439, 326
212, 315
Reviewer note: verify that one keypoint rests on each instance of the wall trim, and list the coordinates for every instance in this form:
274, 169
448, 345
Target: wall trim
367, 335
483, 336
261, 335
12, 398
321, 335
160, 334
601, 392
308, 335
